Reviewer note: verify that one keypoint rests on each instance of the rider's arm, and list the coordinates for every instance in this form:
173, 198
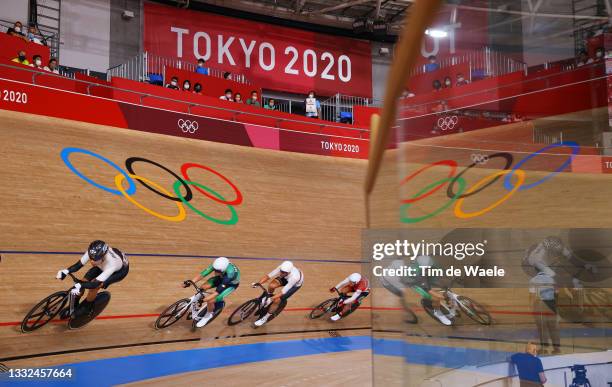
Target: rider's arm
342, 283
203, 274
352, 298
79, 264
274, 273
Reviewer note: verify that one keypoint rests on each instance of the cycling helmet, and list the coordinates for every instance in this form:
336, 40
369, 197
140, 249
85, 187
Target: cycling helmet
286, 267
221, 264
553, 243
424, 260
355, 277
97, 250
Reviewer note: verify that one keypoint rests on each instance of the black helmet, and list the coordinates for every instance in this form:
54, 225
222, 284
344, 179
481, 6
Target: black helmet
97, 250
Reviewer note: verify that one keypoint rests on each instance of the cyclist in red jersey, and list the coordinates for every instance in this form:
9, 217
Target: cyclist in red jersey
356, 284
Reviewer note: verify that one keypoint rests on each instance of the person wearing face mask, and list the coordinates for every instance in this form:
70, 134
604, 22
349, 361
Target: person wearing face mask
599, 53
238, 98
271, 105
173, 84
52, 66
186, 85
34, 35
37, 62
312, 105
253, 101
21, 58
17, 30
228, 95
201, 69
197, 89
448, 82
461, 80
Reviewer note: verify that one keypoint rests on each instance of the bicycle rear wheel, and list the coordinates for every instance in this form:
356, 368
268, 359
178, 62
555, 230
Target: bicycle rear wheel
172, 314
323, 308
44, 311
243, 312
474, 310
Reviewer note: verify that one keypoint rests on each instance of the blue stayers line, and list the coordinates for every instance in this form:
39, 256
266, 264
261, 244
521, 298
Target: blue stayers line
109, 372
23, 252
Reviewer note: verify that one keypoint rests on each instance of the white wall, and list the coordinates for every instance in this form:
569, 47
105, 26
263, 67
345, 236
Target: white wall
85, 34
14, 10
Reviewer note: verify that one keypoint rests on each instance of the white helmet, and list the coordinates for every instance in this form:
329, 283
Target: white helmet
221, 264
424, 260
355, 277
286, 267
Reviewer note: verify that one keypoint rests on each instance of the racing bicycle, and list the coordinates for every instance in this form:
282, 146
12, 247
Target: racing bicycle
331, 305
194, 305
256, 307
454, 304
43, 312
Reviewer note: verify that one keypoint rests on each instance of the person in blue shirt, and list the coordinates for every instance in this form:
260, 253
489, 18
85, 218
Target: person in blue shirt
432, 65
201, 69
529, 367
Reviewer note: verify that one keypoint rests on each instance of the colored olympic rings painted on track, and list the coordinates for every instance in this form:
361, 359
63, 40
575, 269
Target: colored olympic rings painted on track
232, 220
439, 183
509, 160
434, 188
178, 218
464, 215
179, 199
66, 152
485, 182
575, 149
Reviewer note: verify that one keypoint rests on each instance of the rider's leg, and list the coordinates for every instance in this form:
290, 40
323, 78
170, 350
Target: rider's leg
274, 284
435, 298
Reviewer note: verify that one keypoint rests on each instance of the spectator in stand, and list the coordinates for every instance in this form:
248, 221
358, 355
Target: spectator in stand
197, 89
173, 84
238, 98
407, 94
254, 101
529, 367
432, 65
37, 59
186, 85
21, 58
437, 85
461, 80
599, 53
34, 35
312, 105
583, 59
228, 95
201, 69
52, 66
227, 76
17, 30
448, 82
271, 105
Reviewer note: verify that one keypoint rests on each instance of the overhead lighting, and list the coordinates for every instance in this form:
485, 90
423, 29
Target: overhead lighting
436, 33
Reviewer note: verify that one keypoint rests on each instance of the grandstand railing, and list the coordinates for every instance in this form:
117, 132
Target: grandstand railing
51, 38
139, 67
493, 63
360, 132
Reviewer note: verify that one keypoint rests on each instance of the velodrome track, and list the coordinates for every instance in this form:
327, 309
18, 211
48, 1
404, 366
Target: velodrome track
301, 207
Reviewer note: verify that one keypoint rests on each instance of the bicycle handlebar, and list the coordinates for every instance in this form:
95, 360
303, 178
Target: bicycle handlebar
75, 279
190, 282
257, 284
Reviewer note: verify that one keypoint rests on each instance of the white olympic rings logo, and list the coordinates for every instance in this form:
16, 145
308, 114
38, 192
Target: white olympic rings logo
187, 126
477, 158
447, 123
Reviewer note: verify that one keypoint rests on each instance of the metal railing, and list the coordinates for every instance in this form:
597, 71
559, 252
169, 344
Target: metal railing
190, 105
334, 108
141, 66
50, 37
491, 63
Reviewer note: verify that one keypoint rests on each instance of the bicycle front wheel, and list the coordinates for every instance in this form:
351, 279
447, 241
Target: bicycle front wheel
474, 310
172, 314
323, 308
44, 311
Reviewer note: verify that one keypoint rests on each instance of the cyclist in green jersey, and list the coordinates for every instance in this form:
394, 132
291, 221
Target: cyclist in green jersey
423, 285
225, 281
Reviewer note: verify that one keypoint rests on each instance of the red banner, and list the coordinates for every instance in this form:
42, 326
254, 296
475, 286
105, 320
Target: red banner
274, 57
